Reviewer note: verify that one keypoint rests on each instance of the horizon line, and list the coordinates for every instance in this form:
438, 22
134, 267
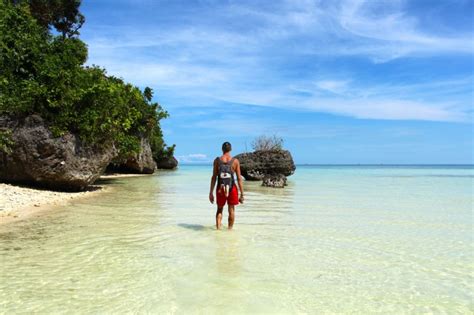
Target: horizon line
355, 164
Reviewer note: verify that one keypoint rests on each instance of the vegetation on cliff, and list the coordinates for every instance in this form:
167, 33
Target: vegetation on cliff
43, 73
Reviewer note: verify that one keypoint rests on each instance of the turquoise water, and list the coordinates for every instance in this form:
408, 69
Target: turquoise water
336, 240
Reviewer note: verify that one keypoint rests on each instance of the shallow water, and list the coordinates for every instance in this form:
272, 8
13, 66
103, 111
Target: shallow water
337, 239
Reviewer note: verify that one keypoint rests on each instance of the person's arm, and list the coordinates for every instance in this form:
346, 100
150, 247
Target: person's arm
239, 181
213, 181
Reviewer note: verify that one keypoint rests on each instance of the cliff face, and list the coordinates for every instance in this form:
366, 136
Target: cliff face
141, 163
167, 163
59, 163
255, 165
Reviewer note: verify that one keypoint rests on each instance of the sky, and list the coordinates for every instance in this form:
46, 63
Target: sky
342, 82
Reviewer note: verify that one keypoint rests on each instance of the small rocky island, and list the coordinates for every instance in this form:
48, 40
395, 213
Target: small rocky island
269, 163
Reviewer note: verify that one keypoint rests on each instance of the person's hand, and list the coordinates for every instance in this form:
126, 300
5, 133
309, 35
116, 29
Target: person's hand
241, 199
211, 197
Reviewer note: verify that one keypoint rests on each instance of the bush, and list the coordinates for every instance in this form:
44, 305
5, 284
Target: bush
267, 143
5, 141
158, 146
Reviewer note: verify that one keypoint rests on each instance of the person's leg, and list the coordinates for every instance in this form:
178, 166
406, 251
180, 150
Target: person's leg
219, 217
221, 201
231, 216
232, 201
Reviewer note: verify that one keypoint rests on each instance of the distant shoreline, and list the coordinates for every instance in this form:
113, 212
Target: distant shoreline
352, 165
392, 165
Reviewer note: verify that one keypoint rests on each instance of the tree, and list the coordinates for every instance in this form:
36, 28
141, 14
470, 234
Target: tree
148, 93
63, 15
44, 74
5, 141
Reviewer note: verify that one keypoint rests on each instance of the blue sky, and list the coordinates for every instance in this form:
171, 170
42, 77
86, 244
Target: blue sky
341, 81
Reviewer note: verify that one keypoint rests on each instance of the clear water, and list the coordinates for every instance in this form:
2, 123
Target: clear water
336, 240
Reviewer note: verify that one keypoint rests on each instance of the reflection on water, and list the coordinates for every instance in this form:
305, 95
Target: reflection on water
337, 240
228, 261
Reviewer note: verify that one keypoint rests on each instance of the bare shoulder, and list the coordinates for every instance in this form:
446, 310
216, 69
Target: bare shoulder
236, 163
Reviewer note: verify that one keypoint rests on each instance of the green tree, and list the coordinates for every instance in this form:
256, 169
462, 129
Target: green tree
148, 93
63, 15
45, 74
5, 141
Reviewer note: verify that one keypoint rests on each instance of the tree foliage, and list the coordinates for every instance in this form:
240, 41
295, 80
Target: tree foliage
6, 141
63, 15
267, 143
45, 74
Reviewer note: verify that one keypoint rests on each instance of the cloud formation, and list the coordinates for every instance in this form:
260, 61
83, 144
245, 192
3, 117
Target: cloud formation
280, 54
193, 158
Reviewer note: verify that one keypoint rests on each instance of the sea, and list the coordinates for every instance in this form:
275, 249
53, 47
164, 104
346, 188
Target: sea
338, 239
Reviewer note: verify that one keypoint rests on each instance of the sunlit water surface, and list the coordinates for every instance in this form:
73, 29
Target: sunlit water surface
337, 239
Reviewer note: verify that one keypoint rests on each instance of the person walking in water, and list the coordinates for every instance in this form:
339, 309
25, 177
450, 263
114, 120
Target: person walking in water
226, 191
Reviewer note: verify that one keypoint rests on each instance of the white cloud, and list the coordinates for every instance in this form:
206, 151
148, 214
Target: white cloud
346, 28
377, 101
193, 158
393, 33
205, 65
388, 109
334, 86
197, 156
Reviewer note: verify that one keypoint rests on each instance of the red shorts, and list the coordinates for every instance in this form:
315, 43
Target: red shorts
232, 199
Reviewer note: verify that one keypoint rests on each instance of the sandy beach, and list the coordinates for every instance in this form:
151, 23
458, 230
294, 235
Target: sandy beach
20, 202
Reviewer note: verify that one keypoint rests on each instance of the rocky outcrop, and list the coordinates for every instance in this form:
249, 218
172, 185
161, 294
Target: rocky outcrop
255, 165
274, 180
59, 163
271, 166
142, 163
167, 163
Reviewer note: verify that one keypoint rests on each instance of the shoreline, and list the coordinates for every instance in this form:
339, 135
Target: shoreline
121, 175
18, 202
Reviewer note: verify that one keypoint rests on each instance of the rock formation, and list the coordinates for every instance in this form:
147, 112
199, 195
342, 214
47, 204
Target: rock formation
256, 165
59, 163
274, 180
142, 163
260, 164
167, 163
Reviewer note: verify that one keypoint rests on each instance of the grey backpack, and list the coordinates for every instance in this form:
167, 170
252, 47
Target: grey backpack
225, 176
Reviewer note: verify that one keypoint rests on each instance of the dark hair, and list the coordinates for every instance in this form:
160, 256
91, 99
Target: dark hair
226, 147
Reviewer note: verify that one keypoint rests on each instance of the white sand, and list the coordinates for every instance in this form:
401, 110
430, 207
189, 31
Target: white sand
20, 202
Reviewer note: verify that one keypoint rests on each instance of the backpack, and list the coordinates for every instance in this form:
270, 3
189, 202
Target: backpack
225, 176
